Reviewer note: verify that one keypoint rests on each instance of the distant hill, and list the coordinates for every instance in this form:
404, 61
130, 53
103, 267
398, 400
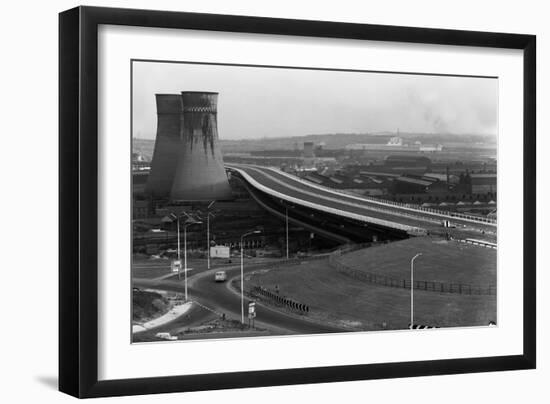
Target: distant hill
340, 140
330, 141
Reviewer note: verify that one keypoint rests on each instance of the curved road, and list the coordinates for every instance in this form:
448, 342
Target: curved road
217, 296
396, 216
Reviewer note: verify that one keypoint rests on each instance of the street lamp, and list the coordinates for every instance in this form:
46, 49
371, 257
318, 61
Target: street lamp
242, 270
286, 214
190, 221
412, 287
208, 214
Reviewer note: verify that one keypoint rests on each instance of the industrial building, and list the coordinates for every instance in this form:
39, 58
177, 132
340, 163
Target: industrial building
308, 150
396, 144
483, 183
140, 209
406, 162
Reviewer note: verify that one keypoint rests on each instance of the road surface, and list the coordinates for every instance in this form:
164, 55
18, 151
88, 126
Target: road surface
384, 213
219, 298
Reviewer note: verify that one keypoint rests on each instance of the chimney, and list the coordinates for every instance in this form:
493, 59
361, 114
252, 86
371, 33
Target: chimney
308, 150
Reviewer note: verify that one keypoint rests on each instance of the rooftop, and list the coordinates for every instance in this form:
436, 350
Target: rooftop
415, 181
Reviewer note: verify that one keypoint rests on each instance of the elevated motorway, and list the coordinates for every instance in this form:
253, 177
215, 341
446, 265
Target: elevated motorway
370, 211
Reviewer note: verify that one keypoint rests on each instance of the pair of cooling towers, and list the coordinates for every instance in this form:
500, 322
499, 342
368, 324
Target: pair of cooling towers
187, 162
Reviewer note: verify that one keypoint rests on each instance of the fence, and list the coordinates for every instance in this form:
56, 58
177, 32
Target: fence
430, 286
281, 300
381, 201
438, 212
481, 243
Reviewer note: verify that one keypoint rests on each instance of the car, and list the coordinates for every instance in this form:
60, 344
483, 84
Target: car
220, 276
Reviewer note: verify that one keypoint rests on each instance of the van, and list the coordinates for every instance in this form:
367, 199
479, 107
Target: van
220, 276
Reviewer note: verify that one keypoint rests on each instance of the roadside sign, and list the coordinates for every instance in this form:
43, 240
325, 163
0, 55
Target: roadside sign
176, 265
251, 309
219, 251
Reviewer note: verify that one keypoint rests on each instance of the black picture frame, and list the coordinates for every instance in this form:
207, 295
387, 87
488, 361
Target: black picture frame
78, 195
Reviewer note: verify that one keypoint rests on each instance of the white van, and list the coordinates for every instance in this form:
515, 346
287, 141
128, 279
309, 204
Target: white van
220, 276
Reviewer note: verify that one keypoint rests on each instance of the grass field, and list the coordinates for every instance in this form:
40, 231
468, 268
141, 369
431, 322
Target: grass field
336, 298
441, 261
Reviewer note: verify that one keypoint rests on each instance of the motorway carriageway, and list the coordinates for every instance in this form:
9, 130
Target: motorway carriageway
282, 185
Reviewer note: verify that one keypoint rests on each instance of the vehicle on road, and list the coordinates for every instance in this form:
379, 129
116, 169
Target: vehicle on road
220, 276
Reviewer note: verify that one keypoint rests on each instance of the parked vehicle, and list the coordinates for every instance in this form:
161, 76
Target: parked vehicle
166, 336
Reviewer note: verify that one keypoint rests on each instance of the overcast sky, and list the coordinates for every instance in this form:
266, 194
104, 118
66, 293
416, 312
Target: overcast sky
256, 102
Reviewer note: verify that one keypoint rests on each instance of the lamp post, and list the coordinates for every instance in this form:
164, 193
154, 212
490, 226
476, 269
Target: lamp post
412, 287
185, 225
286, 214
179, 258
208, 233
190, 221
242, 270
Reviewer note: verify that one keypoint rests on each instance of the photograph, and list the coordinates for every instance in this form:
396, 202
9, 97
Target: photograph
284, 200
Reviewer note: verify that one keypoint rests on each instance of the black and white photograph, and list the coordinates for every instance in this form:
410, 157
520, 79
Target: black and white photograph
279, 200
275, 202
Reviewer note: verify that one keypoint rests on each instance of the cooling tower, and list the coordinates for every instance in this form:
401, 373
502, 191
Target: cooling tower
165, 155
200, 174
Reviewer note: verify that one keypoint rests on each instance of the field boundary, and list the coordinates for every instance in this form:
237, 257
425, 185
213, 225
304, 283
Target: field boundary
388, 281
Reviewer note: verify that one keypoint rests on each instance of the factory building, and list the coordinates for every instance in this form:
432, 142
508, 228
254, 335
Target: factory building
140, 209
309, 150
483, 183
407, 161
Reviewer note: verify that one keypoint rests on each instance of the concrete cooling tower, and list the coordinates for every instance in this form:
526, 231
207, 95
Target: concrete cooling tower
165, 155
200, 173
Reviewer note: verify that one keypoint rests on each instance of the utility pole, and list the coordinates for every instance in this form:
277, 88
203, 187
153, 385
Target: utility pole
412, 287
185, 258
190, 222
208, 234
208, 240
179, 249
286, 210
242, 271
